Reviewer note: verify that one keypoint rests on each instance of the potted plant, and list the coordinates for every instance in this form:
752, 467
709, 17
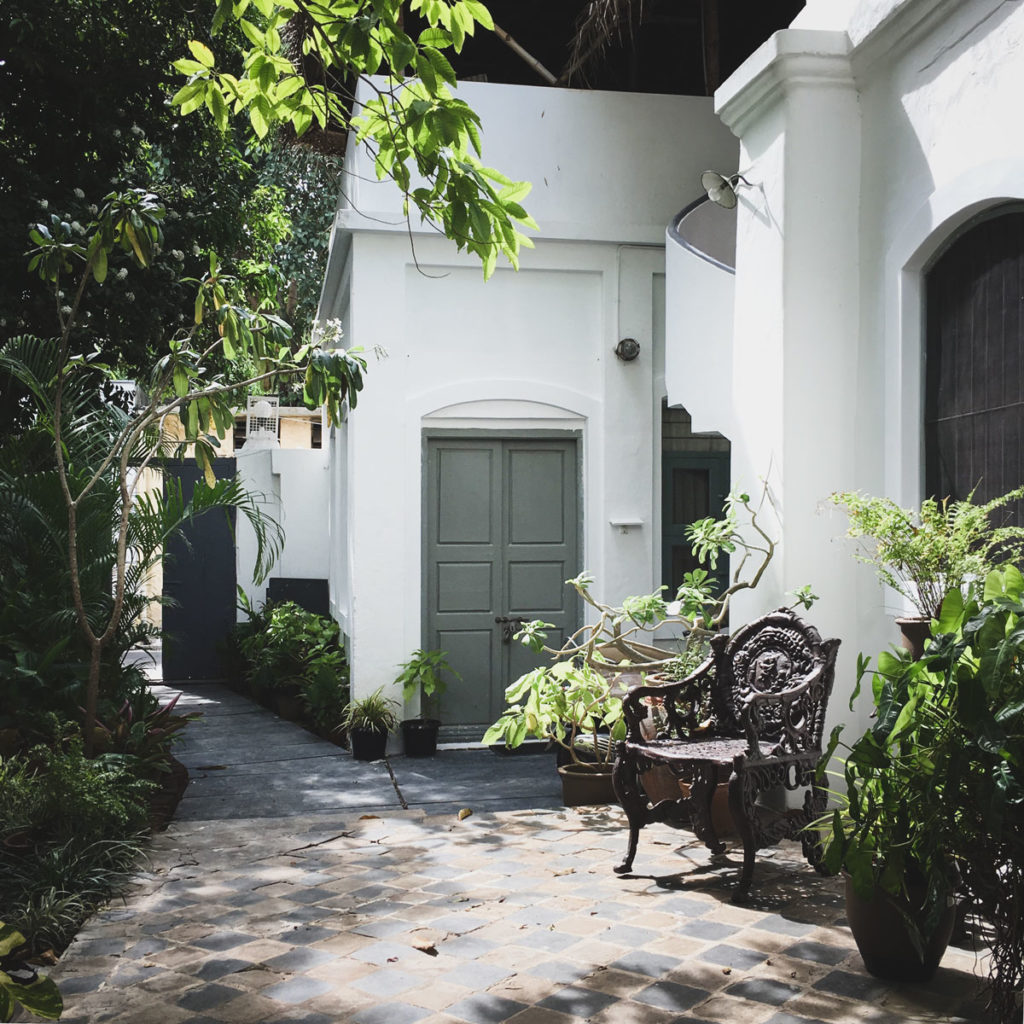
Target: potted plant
886, 834
423, 673
369, 721
576, 702
572, 705
924, 554
976, 661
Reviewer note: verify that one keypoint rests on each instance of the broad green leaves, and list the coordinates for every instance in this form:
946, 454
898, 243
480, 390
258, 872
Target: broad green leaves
415, 128
39, 995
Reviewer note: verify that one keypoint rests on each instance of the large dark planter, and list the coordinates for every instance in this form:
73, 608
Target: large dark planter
419, 735
883, 937
368, 744
913, 633
586, 784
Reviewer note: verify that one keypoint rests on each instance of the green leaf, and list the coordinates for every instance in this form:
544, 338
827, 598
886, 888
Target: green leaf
10, 940
201, 52
41, 998
188, 67
252, 33
258, 116
440, 64
480, 13
425, 72
435, 37
515, 192
952, 611
99, 266
189, 97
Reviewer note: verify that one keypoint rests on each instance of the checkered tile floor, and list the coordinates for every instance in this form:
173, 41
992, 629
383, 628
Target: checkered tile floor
510, 916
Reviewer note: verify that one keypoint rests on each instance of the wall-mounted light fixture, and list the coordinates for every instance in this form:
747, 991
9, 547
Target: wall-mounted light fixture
628, 349
722, 189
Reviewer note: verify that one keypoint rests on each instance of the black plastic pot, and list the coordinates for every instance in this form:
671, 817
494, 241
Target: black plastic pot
368, 744
420, 736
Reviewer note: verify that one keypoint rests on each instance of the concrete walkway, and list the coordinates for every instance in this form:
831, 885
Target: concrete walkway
293, 887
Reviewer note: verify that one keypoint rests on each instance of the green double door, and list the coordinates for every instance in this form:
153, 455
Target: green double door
501, 538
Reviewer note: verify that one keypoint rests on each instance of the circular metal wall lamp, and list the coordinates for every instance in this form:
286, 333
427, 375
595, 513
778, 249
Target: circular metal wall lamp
722, 189
628, 349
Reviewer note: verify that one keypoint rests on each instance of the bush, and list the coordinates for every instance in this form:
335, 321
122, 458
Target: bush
70, 830
55, 796
285, 648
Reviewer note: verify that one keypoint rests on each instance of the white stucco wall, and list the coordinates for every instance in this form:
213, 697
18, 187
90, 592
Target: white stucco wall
873, 129
527, 350
292, 486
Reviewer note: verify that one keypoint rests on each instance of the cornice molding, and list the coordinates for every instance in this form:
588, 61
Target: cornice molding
790, 58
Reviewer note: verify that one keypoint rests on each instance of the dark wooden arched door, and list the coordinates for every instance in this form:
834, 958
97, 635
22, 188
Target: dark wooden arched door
974, 362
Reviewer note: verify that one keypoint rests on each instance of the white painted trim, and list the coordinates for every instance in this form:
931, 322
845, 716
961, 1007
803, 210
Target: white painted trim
788, 58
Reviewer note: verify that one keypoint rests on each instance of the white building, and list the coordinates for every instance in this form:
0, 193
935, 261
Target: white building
501, 446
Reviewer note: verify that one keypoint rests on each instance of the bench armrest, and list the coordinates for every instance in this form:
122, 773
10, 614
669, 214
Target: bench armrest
794, 716
680, 701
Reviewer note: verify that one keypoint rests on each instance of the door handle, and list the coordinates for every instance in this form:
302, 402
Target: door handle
510, 625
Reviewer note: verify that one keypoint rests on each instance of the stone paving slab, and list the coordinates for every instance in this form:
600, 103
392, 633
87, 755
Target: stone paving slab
511, 916
381, 914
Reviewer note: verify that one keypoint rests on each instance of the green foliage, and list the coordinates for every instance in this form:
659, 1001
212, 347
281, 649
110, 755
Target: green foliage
22, 984
141, 736
375, 713
924, 554
286, 647
568, 702
50, 894
421, 135
184, 383
70, 830
58, 796
698, 609
934, 790
423, 673
44, 654
573, 696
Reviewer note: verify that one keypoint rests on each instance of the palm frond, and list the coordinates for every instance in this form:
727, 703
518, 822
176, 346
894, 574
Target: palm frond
600, 23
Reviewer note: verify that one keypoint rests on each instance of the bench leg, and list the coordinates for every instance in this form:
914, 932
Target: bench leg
626, 780
746, 831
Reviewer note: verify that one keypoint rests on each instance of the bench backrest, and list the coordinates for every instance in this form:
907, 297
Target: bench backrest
771, 655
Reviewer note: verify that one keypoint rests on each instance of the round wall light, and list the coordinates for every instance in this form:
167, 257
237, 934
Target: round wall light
628, 349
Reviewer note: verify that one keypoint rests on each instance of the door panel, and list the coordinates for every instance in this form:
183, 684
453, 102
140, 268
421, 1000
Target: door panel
694, 486
502, 522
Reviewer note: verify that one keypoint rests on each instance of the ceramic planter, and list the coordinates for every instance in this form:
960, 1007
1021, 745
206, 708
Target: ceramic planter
883, 937
586, 784
913, 633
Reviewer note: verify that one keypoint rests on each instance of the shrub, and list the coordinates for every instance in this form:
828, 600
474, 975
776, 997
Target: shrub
71, 829
60, 796
284, 647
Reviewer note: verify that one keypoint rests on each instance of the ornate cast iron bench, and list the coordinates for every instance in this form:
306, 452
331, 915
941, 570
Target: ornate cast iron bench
752, 714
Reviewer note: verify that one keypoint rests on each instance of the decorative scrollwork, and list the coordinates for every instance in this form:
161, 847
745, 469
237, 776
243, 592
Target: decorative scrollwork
768, 686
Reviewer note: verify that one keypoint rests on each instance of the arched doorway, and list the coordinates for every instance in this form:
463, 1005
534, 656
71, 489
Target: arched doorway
974, 361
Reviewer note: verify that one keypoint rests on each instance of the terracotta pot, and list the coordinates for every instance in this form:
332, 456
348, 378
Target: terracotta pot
586, 784
660, 784
913, 633
884, 940
419, 736
289, 706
